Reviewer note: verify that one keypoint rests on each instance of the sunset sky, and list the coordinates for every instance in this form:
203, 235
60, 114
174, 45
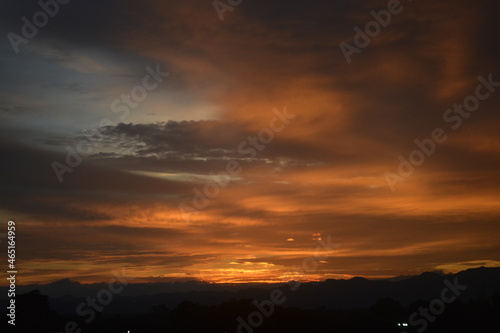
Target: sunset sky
323, 174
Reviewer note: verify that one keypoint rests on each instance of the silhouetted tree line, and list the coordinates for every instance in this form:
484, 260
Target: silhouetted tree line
33, 314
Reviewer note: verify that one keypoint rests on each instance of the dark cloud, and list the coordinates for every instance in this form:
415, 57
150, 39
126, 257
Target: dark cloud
30, 186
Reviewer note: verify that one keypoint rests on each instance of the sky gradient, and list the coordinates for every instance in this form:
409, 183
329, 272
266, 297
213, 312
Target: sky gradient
323, 174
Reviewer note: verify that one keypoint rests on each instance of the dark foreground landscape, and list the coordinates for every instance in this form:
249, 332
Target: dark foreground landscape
431, 302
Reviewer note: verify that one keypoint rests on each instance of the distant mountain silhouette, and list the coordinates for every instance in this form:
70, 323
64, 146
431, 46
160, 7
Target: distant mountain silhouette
67, 287
356, 293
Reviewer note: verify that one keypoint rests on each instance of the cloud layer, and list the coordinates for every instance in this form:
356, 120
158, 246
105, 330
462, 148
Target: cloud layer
323, 174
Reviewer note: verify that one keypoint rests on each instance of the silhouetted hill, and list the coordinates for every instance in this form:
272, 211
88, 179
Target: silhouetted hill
356, 293
67, 287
